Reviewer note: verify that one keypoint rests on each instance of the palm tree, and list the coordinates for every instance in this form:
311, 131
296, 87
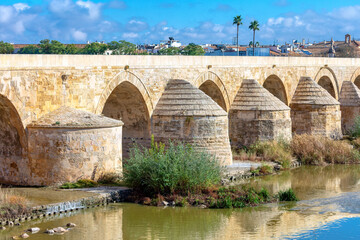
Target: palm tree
254, 25
238, 22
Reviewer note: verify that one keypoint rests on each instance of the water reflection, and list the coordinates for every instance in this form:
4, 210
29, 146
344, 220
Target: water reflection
329, 194
314, 182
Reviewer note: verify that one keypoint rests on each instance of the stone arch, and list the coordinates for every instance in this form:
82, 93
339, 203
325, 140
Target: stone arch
12, 126
328, 81
130, 102
276, 87
13, 144
355, 78
125, 76
210, 83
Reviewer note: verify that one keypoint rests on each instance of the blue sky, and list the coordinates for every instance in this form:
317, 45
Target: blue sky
199, 21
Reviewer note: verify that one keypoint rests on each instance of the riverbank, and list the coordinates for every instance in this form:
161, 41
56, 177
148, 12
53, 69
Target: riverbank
46, 202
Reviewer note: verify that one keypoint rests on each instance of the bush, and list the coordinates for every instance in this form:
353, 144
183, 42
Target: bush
273, 151
178, 169
238, 197
354, 132
83, 183
109, 178
287, 196
317, 150
12, 205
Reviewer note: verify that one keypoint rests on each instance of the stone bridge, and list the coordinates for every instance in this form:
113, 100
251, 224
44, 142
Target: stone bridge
129, 87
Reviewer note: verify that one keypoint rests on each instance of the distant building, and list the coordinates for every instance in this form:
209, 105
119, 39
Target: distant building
258, 52
171, 43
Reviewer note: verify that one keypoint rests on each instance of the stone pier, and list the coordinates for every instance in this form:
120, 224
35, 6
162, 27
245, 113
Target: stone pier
130, 88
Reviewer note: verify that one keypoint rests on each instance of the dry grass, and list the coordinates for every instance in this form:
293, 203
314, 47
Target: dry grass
273, 151
12, 204
316, 150
110, 178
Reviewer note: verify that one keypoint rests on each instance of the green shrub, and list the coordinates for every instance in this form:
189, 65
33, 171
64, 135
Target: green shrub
177, 169
264, 194
355, 130
287, 196
83, 183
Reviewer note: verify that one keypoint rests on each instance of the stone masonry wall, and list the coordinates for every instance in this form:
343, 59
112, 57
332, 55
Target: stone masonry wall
348, 117
206, 133
60, 155
247, 127
316, 120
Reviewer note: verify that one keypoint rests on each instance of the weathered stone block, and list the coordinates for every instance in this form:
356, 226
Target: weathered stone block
68, 145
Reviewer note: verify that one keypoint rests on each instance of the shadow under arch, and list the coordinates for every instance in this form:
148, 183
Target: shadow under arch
355, 78
276, 87
13, 143
326, 78
211, 84
127, 99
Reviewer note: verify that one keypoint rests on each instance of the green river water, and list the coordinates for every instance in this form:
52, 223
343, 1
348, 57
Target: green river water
329, 209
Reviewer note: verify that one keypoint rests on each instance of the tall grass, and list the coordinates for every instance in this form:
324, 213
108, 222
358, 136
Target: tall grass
177, 169
354, 132
317, 150
273, 151
12, 204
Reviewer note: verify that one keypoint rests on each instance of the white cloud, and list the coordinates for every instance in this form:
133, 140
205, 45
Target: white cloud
79, 35
130, 35
6, 14
136, 26
19, 27
60, 6
21, 6
347, 13
93, 8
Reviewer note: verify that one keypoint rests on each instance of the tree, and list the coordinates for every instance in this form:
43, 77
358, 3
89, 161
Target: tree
193, 49
94, 48
71, 49
51, 47
169, 51
6, 48
122, 47
56, 47
30, 49
238, 22
254, 25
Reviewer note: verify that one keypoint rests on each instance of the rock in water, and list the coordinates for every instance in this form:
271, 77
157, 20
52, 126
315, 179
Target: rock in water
60, 230
49, 231
33, 230
24, 235
71, 225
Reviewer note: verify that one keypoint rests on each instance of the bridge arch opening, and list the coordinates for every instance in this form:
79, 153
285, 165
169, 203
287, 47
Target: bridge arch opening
213, 91
326, 83
276, 87
357, 81
12, 142
127, 104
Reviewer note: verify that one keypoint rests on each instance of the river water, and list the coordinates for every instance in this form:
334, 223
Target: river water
329, 209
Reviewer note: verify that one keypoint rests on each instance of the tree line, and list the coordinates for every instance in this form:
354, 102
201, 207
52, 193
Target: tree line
121, 47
